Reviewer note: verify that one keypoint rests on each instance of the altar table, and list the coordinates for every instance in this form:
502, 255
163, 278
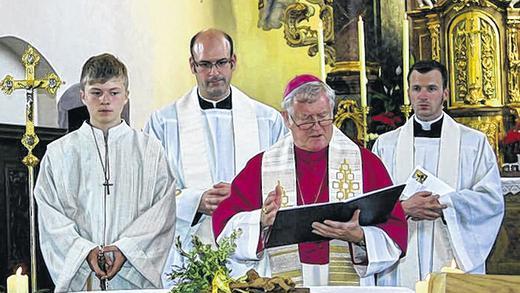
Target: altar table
325, 289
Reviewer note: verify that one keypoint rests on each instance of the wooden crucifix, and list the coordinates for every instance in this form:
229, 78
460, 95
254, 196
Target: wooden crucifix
51, 83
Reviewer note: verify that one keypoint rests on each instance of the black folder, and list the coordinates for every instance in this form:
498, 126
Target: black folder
293, 225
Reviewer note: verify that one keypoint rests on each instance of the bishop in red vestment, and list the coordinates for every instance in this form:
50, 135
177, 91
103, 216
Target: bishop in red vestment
307, 155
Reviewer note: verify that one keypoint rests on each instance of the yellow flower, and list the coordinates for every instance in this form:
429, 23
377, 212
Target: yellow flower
220, 283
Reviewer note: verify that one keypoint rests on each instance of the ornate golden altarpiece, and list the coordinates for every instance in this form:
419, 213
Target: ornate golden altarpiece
478, 41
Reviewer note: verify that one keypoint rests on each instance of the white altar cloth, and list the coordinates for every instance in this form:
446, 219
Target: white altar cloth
510, 185
324, 289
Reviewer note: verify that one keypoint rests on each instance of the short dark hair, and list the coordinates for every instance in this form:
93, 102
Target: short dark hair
226, 36
425, 66
101, 68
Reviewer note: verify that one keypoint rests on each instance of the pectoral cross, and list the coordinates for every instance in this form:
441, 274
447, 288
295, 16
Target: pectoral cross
51, 84
107, 186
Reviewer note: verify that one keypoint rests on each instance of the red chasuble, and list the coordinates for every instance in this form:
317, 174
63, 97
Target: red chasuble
312, 187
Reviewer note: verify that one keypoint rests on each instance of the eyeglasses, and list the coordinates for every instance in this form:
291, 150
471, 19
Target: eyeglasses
309, 125
206, 66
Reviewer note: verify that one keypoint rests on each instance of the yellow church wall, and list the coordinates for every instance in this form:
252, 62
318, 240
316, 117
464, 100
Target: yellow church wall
265, 61
152, 38
171, 25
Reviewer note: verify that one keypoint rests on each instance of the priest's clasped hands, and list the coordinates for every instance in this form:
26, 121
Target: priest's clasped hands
211, 198
423, 205
114, 261
347, 231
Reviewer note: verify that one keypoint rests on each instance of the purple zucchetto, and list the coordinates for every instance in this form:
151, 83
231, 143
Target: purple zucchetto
298, 81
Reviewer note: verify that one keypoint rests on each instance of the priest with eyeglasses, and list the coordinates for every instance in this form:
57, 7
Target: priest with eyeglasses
300, 170
209, 134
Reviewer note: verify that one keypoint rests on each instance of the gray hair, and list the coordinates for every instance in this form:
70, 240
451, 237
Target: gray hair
309, 93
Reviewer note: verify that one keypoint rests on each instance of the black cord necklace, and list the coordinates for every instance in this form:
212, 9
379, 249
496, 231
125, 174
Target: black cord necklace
106, 167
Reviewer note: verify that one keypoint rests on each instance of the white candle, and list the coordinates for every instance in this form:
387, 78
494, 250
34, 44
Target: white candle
406, 59
321, 50
422, 287
18, 283
362, 65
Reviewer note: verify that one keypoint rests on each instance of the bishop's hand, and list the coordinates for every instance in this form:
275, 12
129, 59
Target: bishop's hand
92, 260
347, 231
211, 198
271, 206
423, 205
114, 262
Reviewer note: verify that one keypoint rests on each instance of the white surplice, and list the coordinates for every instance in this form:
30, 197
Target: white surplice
140, 209
462, 158
205, 147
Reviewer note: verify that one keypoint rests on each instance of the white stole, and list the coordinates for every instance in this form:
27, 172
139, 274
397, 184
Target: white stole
345, 181
193, 145
447, 170
448, 153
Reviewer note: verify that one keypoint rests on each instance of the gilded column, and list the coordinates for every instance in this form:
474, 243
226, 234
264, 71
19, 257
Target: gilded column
513, 80
434, 27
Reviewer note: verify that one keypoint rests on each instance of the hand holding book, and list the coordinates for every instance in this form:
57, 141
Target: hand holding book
347, 231
423, 205
420, 198
295, 224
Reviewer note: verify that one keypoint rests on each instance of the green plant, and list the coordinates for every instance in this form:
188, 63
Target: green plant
202, 264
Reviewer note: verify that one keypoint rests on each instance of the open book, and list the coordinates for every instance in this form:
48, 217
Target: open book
293, 225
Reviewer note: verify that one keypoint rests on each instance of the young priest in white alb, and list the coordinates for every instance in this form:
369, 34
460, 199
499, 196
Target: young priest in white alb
460, 225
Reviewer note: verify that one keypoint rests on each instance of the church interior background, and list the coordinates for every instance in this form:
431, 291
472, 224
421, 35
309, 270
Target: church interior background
275, 40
